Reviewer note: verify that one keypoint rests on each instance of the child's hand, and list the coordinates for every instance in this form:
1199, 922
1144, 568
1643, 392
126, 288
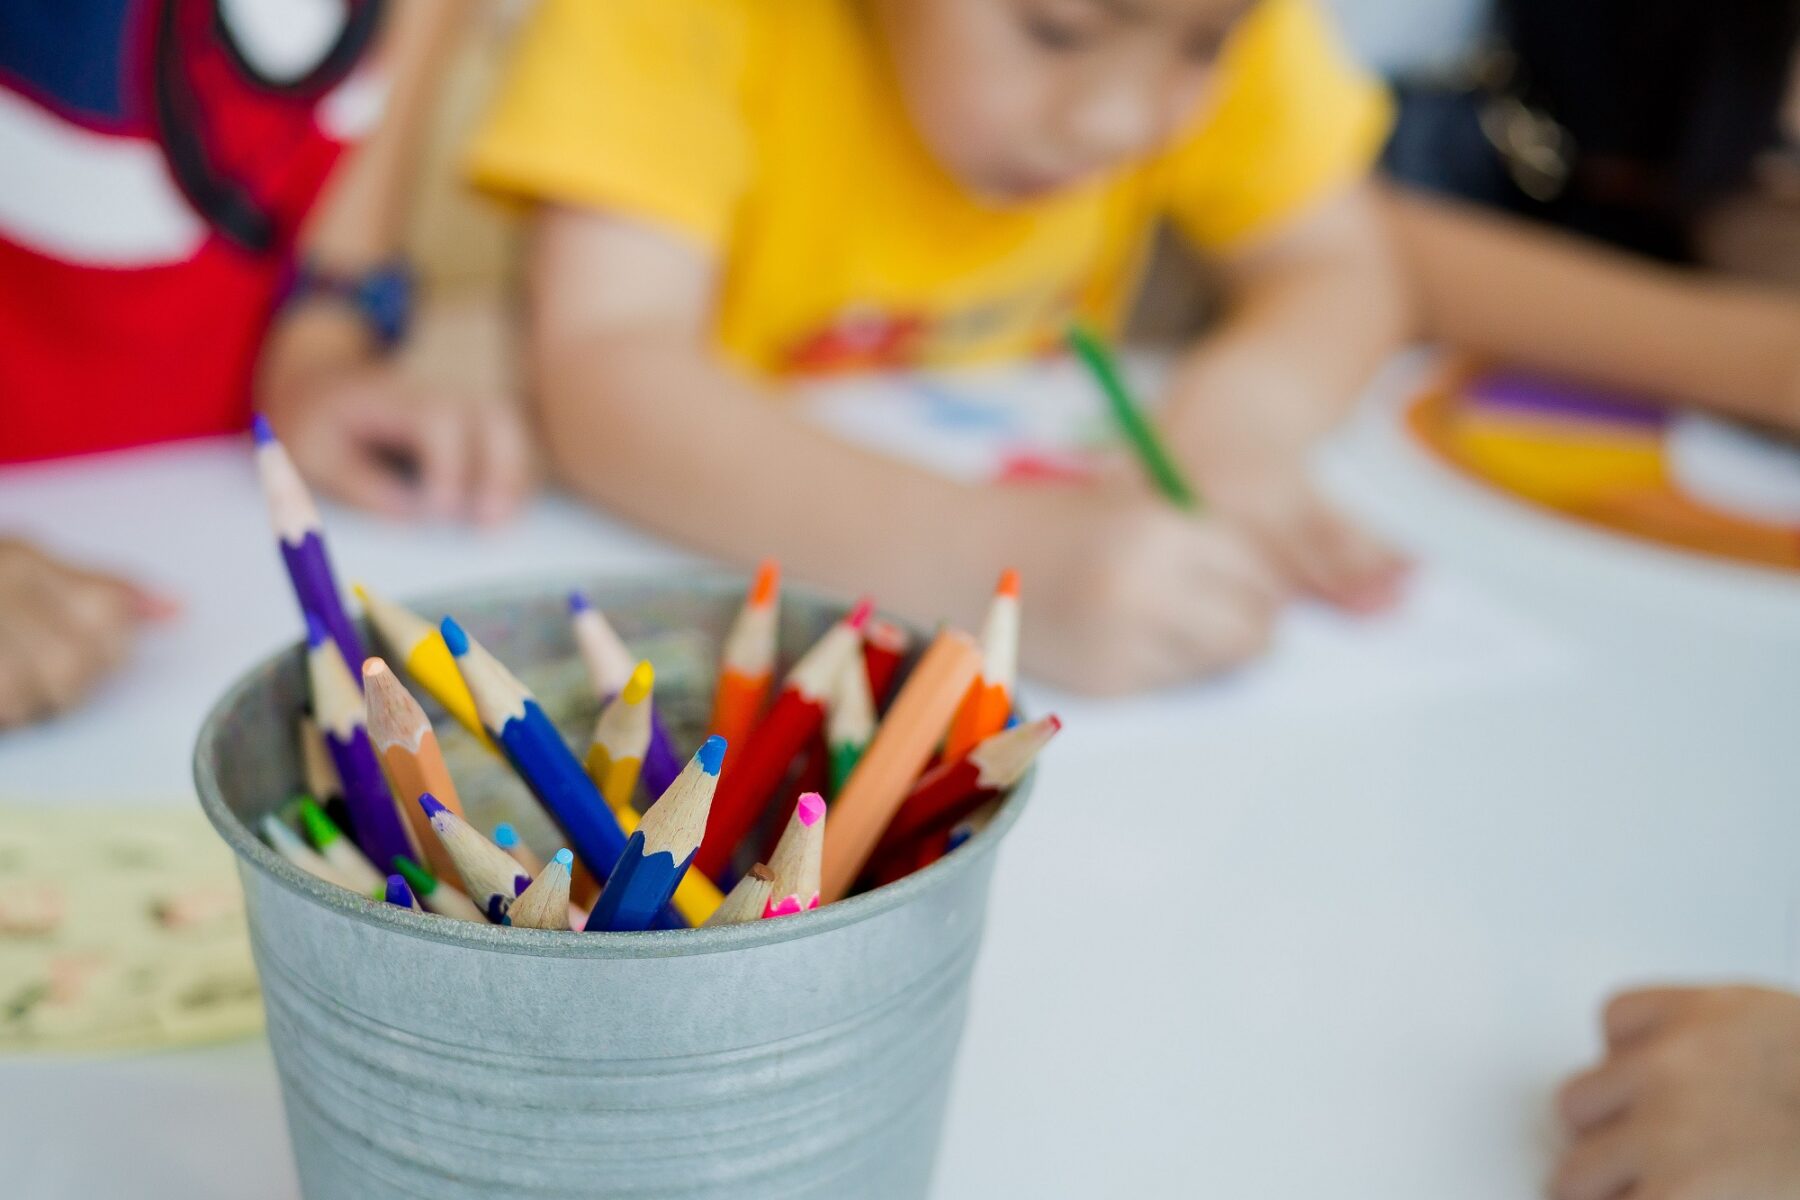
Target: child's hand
1698, 1098
62, 629
1128, 594
1316, 549
369, 435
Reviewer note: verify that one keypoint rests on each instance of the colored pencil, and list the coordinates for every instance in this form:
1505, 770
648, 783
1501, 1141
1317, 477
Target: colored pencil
545, 904
849, 722
697, 898
609, 666
1139, 433
508, 839
661, 849
289, 845
317, 770
538, 753
796, 861
351, 864
747, 662
899, 751
885, 646
951, 791
399, 894
989, 702
417, 645
436, 895
302, 539
796, 718
338, 706
748, 899
621, 736
407, 748
494, 880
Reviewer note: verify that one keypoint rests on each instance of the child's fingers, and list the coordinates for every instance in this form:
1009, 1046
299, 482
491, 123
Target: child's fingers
1600, 1094
360, 479
1217, 555
1600, 1166
1629, 1017
51, 663
442, 439
503, 464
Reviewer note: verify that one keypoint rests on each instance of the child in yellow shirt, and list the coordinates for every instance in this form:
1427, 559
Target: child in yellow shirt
735, 192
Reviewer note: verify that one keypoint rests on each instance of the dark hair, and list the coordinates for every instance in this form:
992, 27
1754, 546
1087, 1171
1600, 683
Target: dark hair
1688, 92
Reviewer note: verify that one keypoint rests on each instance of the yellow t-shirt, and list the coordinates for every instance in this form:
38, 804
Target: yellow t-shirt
772, 134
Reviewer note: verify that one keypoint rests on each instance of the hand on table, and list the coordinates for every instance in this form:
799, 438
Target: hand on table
1316, 549
1697, 1098
1128, 594
62, 630
370, 436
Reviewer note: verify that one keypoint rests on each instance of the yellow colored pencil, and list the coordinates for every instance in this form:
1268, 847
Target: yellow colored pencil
621, 736
418, 645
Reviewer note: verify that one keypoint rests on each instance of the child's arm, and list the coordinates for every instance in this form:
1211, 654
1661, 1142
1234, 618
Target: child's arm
642, 417
1537, 298
345, 411
1313, 311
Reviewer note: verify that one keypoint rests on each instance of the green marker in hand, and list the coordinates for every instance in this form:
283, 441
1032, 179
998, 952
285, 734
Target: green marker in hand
1137, 428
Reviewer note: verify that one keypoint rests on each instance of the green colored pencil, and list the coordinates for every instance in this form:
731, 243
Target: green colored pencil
1137, 428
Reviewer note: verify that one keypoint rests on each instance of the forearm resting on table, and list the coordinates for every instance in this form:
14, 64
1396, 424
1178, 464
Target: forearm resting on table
1532, 297
1312, 314
644, 423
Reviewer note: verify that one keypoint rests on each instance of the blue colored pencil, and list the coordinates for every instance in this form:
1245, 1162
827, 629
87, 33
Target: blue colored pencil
661, 849
398, 894
375, 824
302, 539
538, 753
609, 666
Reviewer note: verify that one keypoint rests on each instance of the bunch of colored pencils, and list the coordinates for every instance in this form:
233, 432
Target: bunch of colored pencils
909, 770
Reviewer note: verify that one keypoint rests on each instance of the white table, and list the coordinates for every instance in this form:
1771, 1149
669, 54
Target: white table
1372, 939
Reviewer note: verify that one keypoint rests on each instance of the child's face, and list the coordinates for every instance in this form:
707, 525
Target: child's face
1018, 98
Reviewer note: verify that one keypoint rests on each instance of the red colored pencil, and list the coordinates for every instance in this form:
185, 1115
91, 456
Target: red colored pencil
885, 646
947, 793
793, 722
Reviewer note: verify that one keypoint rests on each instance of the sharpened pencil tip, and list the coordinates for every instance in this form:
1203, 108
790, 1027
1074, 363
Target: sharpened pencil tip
398, 894
643, 678
259, 430
431, 804
373, 666
768, 580
316, 634
761, 871
578, 602
566, 857
1009, 584
711, 754
454, 637
859, 616
505, 836
1054, 722
810, 808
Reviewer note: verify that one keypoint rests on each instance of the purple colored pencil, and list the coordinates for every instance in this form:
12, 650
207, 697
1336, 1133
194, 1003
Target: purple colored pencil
375, 823
1535, 395
302, 541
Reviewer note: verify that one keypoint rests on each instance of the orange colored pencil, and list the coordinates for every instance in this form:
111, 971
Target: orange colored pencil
412, 761
989, 702
747, 662
899, 751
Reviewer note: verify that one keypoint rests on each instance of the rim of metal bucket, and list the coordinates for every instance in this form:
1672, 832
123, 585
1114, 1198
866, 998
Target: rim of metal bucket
574, 944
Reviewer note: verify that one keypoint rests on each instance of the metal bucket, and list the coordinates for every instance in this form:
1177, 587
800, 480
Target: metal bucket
807, 1056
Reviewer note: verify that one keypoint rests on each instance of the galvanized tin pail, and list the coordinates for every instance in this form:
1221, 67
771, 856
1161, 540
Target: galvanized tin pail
423, 1057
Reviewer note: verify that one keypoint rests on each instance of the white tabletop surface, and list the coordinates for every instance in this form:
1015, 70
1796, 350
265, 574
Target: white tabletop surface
1370, 940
